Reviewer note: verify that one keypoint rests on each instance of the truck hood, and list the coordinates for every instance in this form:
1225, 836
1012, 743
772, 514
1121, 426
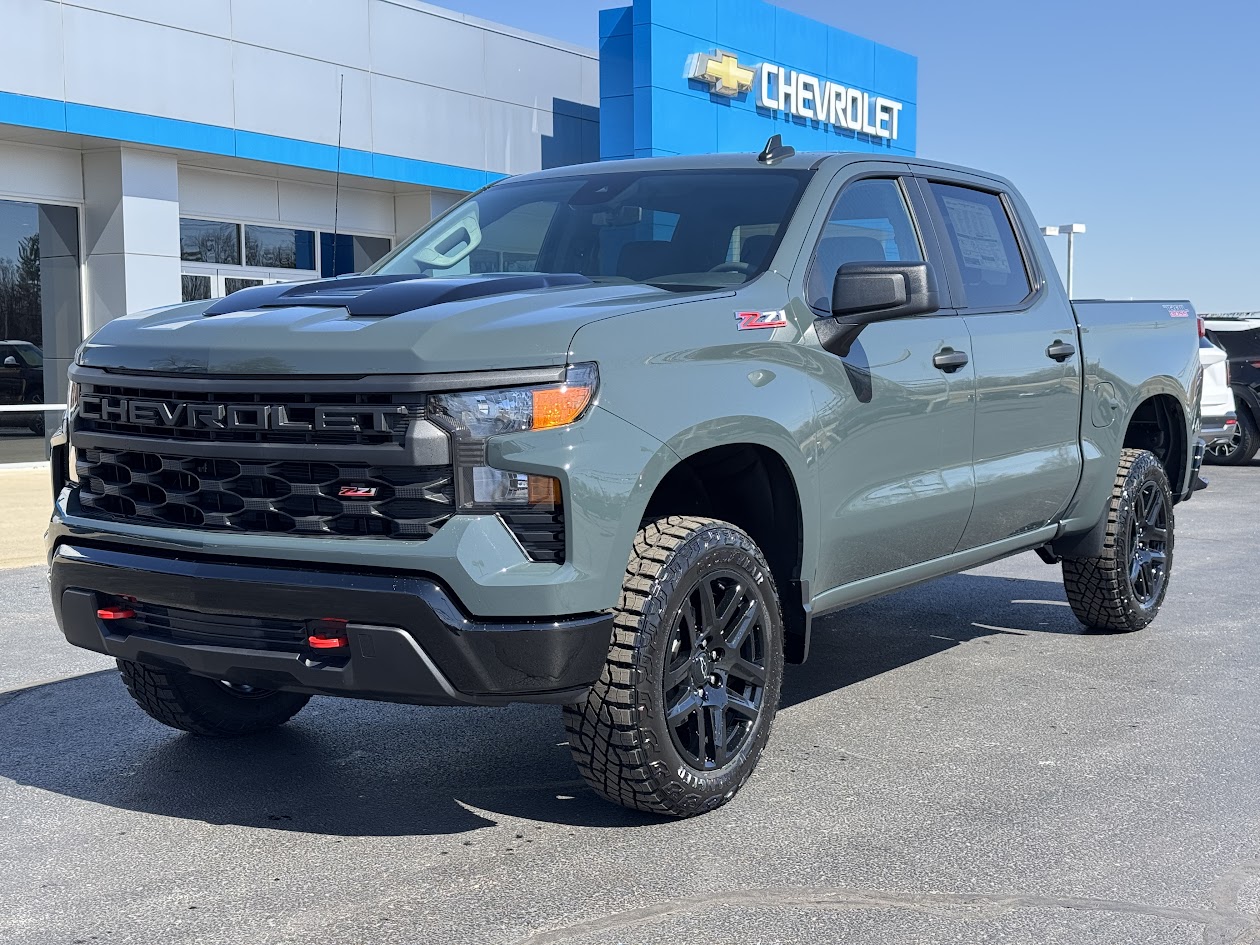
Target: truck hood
372, 325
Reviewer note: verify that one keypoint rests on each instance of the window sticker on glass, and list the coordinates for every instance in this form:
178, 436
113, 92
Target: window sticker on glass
979, 242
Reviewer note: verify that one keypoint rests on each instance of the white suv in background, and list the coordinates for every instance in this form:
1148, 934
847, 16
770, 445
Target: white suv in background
1220, 422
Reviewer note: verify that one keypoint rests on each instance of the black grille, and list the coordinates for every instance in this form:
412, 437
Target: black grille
378, 416
541, 534
198, 629
320, 499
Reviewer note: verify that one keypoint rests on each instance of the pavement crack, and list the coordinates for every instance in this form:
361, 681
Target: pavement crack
1222, 924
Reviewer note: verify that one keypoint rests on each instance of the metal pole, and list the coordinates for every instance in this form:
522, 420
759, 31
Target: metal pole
1069, 266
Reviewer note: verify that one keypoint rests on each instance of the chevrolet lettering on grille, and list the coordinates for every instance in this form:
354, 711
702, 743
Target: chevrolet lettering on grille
202, 416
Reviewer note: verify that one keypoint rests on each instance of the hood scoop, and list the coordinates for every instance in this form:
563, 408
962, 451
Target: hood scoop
384, 296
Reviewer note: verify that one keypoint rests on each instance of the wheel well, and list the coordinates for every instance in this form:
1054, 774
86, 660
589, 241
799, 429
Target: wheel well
749, 486
1158, 425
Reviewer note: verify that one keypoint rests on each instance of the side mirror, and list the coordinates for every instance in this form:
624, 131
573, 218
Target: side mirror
869, 292
10, 361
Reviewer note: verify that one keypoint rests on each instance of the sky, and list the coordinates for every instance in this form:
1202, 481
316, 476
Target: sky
1139, 119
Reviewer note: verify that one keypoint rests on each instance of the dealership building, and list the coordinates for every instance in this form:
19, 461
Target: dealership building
155, 151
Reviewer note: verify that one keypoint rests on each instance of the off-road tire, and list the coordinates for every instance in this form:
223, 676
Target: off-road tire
1102, 590
1245, 445
205, 706
625, 747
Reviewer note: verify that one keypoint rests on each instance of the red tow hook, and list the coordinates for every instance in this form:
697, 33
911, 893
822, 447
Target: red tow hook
328, 633
115, 613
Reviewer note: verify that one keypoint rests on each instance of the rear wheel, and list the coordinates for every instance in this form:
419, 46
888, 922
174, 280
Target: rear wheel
1241, 448
681, 713
1122, 588
36, 424
207, 706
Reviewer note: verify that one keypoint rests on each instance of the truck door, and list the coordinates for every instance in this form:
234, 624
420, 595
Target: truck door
893, 445
1024, 348
11, 375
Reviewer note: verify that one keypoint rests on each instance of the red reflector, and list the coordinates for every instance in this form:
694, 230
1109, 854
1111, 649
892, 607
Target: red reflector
115, 613
327, 643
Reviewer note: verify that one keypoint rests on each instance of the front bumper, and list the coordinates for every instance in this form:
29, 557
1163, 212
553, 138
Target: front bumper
409, 641
1219, 429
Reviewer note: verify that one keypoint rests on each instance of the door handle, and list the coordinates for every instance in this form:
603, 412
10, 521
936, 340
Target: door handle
1060, 351
949, 360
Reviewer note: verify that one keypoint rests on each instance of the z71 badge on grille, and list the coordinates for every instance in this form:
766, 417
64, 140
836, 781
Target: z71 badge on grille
356, 492
750, 320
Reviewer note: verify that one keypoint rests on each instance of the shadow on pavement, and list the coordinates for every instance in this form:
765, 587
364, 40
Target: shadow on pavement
351, 768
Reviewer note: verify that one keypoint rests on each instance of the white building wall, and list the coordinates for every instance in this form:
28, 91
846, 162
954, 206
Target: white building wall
421, 82
40, 174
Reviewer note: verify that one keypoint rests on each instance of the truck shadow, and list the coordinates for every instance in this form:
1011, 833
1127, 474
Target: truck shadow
361, 769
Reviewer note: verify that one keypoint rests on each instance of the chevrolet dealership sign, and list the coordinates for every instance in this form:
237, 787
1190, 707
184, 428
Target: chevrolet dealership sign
779, 89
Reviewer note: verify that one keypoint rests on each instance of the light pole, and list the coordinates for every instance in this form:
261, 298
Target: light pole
1069, 230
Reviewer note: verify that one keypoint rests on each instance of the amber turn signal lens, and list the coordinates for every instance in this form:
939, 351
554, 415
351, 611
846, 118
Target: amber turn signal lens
543, 490
556, 406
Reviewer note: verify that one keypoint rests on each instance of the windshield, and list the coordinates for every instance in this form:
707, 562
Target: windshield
683, 229
30, 354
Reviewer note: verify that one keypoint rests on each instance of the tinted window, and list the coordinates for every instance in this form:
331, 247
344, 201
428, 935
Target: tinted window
195, 288
984, 244
678, 229
273, 247
235, 285
344, 254
869, 223
206, 241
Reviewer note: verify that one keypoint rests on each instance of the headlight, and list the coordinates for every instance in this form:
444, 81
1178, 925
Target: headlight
72, 458
471, 418
485, 413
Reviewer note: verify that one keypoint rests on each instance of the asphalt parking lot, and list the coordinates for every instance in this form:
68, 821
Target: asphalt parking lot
957, 763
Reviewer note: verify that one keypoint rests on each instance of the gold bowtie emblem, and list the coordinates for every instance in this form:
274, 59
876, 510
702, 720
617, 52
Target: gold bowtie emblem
723, 72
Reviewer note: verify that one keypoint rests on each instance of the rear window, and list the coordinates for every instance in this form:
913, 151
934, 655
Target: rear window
984, 243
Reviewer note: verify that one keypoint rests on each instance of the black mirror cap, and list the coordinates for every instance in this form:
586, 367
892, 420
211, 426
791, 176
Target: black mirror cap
877, 291
869, 292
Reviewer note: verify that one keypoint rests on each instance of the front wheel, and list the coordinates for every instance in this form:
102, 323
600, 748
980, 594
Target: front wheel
207, 706
1122, 588
683, 708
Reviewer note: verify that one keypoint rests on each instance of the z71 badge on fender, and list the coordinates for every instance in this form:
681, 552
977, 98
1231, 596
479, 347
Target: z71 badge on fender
750, 320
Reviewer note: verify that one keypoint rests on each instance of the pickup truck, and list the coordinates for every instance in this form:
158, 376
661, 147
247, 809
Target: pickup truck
613, 437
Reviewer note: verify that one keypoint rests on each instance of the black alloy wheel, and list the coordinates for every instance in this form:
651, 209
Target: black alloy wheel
1148, 543
715, 677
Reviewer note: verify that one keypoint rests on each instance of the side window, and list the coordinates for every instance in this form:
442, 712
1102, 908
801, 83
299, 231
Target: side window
869, 223
983, 240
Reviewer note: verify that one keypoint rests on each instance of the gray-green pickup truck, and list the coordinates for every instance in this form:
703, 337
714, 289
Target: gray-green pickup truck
612, 437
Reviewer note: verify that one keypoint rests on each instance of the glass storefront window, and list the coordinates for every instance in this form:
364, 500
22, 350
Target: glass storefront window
272, 247
208, 241
40, 321
231, 284
195, 288
343, 254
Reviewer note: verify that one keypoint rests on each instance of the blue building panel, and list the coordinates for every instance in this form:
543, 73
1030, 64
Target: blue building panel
696, 17
725, 75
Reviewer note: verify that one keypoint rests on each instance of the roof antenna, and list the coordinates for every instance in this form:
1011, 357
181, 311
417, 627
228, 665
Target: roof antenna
341, 111
775, 151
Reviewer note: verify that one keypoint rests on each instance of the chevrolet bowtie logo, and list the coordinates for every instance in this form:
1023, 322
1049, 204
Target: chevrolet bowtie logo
723, 72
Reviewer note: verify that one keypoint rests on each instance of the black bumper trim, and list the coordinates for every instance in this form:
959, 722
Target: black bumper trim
409, 640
